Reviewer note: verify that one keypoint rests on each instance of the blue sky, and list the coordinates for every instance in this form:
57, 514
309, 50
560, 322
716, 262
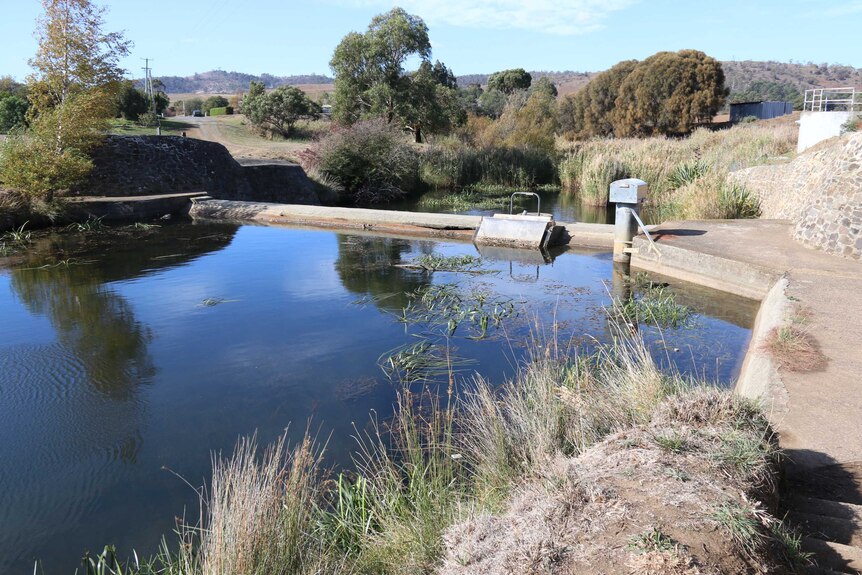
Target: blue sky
471, 36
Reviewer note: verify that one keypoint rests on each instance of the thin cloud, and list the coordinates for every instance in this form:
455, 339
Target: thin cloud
845, 8
561, 17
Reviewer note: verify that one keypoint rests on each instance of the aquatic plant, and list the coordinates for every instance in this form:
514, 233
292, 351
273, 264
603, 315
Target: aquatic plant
656, 305
90, 225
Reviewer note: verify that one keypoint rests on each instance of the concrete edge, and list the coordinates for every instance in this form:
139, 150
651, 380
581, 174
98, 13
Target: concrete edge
416, 224
719, 273
759, 378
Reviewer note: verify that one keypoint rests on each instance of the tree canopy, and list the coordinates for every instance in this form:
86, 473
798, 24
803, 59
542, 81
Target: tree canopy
278, 110
668, 93
370, 79
72, 92
510, 81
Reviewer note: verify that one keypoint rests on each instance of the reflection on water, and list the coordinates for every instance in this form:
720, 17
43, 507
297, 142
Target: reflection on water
564, 207
112, 370
367, 265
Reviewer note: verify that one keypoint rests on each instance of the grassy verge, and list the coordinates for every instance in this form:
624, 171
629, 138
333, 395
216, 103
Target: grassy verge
493, 475
687, 177
121, 127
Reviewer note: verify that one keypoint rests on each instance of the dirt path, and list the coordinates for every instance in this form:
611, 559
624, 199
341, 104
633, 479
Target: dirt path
239, 142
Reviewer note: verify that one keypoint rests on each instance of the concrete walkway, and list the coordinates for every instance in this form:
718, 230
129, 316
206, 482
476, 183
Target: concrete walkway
818, 413
452, 226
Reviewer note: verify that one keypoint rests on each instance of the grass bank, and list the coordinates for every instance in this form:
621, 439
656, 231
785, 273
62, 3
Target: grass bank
169, 127
687, 176
648, 468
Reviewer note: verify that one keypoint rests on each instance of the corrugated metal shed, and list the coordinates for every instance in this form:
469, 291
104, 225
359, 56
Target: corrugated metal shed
760, 110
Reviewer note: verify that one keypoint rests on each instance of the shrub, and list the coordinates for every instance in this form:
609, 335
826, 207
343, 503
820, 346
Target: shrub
222, 111
370, 161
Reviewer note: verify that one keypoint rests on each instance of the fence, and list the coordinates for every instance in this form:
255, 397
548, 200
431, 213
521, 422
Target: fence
833, 100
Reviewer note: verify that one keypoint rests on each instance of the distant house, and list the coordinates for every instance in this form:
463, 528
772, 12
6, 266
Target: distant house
760, 110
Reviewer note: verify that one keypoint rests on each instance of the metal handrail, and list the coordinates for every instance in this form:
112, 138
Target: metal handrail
538, 201
822, 99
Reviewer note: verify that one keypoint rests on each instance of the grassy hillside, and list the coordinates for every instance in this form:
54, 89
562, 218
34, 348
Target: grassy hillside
746, 79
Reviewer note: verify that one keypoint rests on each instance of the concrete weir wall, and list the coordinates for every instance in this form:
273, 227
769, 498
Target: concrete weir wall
814, 127
153, 165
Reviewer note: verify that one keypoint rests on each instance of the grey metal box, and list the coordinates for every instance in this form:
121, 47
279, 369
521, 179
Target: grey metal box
628, 191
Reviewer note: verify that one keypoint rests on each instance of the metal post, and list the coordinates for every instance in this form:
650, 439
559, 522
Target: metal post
625, 228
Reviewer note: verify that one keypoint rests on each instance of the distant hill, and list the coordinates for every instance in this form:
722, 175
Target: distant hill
746, 79
221, 82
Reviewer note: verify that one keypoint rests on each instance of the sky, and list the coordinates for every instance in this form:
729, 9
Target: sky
284, 37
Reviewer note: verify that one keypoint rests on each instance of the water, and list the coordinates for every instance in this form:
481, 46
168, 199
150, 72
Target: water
127, 357
564, 207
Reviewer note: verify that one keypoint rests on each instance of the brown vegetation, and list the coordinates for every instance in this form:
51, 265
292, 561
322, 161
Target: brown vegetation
794, 349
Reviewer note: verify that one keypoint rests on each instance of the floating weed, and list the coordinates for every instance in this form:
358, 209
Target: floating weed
446, 308
144, 226
91, 225
214, 301
18, 235
421, 361
437, 262
656, 305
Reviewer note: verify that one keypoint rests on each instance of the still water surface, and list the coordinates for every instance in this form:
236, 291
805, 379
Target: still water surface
128, 357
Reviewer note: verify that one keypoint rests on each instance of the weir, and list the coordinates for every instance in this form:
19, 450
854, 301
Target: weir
522, 230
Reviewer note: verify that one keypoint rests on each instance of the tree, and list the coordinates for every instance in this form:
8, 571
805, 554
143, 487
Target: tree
510, 81
369, 67
13, 112
131, 102
213, 102
588, 112
492, 103
370, 80
545, 85
278, 110
430, 101
72, 94
669, 93
75, 59
534, 124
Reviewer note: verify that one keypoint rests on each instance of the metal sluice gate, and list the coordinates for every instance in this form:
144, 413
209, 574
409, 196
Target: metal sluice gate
524, 230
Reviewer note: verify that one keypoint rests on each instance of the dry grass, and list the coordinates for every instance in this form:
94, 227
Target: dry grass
556, 471
687, 177
794, 349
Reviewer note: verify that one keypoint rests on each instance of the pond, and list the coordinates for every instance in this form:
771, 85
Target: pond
564, 207
128, 356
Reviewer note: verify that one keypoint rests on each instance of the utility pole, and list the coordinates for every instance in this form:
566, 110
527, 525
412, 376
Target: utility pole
148, 83
151, 94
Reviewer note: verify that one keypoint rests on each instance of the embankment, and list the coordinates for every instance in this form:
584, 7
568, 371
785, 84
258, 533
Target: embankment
820, 192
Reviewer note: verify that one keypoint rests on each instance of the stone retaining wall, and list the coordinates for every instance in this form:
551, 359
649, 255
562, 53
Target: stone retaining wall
152, 165
820, 191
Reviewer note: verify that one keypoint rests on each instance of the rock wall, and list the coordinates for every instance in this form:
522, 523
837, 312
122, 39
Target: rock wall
820, 191
153, 165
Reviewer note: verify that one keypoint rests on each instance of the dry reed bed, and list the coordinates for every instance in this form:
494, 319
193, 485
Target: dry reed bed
687, 176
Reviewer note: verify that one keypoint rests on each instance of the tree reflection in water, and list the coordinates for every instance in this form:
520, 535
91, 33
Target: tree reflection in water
367, 266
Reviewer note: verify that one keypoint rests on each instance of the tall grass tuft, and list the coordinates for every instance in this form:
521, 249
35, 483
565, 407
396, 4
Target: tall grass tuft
260, 514
687, 177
